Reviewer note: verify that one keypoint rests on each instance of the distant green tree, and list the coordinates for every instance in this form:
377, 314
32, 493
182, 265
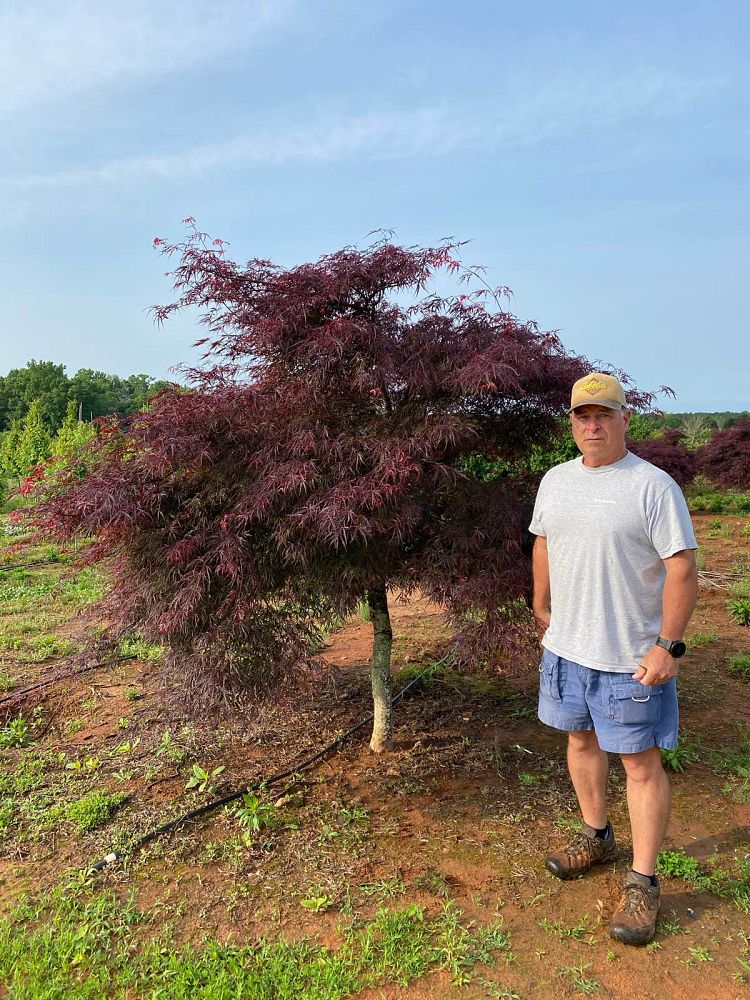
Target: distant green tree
9, 466
69, 444
140, 388
73, 433
42, 380
34, 444
645, 426
696, 430
97, 393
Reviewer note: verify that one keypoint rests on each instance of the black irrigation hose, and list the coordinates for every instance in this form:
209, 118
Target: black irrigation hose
232, 796
32, 565
64, 677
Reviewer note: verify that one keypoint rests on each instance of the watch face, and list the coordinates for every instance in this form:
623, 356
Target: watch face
678, 648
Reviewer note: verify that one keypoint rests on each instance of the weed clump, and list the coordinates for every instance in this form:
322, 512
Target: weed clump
94, 809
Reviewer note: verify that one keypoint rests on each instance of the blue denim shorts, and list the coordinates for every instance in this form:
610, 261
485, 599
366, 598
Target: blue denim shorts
626, 716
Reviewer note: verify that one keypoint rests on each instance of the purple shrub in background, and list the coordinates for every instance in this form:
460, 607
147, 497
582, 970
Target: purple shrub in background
668, 452
726, 458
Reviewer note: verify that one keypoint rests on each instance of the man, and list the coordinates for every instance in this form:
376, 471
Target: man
615, 583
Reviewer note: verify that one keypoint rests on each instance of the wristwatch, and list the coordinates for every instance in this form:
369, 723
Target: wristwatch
675, 647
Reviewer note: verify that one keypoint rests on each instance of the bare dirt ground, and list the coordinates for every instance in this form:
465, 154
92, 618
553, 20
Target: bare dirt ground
465, 807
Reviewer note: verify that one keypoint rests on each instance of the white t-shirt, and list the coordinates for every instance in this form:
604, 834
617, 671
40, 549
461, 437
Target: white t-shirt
608, 530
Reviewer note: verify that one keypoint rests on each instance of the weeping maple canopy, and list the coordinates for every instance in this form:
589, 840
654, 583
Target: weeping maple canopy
320, 450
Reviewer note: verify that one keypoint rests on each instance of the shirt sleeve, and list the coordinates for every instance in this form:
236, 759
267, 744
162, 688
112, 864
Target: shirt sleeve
669, 523
537, 520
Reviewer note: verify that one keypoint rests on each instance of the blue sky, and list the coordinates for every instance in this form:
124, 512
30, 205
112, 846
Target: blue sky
595, 154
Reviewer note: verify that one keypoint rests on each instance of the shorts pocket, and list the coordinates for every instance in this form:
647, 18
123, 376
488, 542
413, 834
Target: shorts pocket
634, 704
549, 675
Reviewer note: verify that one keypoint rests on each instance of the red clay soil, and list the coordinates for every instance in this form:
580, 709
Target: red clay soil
473, 796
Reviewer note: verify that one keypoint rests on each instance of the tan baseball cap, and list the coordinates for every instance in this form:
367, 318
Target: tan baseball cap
598, 389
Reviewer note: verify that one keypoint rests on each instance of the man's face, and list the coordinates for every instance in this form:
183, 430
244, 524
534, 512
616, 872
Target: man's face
599, 433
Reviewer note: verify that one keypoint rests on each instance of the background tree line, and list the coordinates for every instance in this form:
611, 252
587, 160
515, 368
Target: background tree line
44, 413
95, 394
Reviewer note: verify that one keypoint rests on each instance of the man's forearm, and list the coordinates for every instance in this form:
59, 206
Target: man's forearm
540, 568
680, 597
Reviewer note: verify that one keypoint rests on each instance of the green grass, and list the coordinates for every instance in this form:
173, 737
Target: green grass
739, 665
578, 978
734, 885
701, 639
37, 649
133, 645
86, 946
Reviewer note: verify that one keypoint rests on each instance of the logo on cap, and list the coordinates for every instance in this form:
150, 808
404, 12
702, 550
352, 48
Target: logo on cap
593, 386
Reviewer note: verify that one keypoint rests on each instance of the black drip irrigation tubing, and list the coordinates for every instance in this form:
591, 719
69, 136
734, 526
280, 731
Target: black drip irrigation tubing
263, 783
13, 695
31, 565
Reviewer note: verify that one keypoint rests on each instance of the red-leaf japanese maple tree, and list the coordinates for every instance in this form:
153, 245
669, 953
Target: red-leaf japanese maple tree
668, 452
726, 458
317, 460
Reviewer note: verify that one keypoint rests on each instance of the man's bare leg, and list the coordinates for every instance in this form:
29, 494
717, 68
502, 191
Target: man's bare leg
588, 765
649, 798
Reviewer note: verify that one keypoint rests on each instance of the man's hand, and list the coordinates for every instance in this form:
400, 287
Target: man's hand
657, 667
541, 617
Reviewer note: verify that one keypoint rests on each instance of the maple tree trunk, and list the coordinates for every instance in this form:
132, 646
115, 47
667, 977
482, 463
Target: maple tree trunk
380, 669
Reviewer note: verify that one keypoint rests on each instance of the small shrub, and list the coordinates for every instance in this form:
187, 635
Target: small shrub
739, 610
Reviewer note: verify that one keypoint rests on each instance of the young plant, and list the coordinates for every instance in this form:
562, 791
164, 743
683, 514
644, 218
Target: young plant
169, 748
254, 816
202, 779
317, 904
15, 734
681, 757
739, 610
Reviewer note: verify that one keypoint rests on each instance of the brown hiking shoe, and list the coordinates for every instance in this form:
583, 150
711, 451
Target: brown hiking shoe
585, 850
634, 920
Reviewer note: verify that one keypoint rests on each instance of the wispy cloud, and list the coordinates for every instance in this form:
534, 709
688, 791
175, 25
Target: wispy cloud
520, 116
54, 49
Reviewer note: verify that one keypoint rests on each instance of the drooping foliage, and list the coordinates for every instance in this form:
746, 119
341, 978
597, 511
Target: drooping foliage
726, 458
668, 452
319, 455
